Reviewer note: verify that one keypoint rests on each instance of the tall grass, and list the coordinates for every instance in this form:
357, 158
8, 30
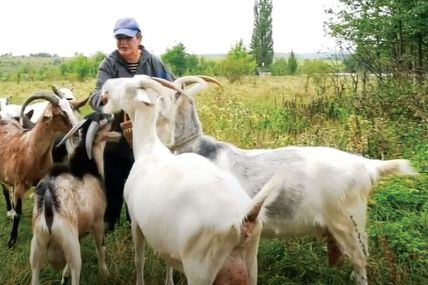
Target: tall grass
265, 112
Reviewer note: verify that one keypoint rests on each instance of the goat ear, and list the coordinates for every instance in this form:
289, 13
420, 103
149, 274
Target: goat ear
55, 90
142, 97
48, 113
29, 114
177, 95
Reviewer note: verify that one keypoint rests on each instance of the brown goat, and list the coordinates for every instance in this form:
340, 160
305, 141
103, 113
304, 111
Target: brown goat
26, 155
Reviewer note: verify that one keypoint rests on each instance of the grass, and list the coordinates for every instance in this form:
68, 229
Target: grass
273, 112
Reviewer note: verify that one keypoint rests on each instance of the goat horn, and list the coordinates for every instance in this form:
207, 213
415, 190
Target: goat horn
71, 132
168, 84
200, 79
211, 79
90, 136
78, 103
52, 99
196, 79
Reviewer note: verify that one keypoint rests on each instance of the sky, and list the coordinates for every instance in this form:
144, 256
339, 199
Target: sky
64, 27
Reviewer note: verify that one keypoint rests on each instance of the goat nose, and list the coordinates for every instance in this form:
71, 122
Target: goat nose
104, 100
101, 101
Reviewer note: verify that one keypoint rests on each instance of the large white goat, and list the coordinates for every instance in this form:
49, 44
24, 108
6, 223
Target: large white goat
193, 214
70, 202
324, 191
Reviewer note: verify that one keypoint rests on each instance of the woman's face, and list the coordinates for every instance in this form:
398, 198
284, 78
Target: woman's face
128, 47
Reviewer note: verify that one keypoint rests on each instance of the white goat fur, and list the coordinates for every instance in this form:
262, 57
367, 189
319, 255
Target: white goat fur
324, 191
4, 101
191, 212
11, 111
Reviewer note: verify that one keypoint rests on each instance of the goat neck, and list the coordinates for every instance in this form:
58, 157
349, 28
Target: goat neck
187, 127
144, 137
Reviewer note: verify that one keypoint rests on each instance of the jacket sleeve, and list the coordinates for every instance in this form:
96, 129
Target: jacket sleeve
161, 70
105, 71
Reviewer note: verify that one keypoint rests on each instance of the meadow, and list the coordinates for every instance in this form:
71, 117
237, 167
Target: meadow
268, 112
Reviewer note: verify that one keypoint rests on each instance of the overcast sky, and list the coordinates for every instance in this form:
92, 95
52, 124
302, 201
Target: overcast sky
64, 27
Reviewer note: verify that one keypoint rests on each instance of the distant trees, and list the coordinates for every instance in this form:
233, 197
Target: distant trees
41, 54
279, 67
238, 62
181, 62
261, 41
284, 66
81, 67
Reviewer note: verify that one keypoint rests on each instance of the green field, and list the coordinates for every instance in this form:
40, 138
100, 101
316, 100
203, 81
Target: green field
267, 112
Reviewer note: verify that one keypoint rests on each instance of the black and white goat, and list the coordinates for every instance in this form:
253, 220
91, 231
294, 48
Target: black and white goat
70, 202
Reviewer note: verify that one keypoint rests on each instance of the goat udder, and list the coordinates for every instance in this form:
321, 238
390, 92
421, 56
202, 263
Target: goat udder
233, 272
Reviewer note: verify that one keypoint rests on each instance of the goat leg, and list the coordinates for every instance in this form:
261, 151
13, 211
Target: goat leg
7, 197
335, 256
16, 218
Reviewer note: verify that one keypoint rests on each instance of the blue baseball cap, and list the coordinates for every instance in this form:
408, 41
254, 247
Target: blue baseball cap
126, 26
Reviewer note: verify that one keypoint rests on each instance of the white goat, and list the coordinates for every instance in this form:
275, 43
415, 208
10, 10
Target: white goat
4, 101
324, 191
12, 111
70, 202
193, 214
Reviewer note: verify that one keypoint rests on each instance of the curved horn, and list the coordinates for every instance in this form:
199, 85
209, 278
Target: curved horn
211, 79
200, 79
52, 99
90, 136
168, 84
78, 103
71, 132
195, 79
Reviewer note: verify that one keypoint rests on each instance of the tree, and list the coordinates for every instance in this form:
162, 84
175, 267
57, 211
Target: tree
238, 62
279, 67
176, 58
292, 64
384, 36
261, 41
179, 60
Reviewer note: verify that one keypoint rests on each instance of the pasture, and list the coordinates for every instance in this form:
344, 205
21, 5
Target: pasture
268, 112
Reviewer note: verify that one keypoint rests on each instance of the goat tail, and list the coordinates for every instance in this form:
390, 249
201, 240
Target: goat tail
263, 198
401, 167
47, 201
49, 211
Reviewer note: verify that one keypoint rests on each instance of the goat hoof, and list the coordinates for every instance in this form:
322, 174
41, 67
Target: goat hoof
11, 243
11, 213
108, 227
64, 280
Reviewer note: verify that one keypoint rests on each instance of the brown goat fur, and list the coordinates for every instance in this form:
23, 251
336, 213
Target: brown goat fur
26, 155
